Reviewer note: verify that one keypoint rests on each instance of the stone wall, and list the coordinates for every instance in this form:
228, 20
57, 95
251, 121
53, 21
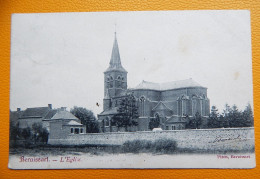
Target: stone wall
204, 139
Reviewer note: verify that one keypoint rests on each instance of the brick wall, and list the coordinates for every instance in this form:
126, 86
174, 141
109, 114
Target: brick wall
207, 139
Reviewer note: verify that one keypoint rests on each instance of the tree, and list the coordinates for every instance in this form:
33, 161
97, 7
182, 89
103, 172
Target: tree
224, 121
155, 122
248, 118
39, 134
195, 122
227, 110
214, 118
87, 118
15, 131
225, 116
26, 133
188, 123
198, 120
235, 117
127, 113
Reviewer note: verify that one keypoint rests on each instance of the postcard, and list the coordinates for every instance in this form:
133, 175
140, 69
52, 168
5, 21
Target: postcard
143, 89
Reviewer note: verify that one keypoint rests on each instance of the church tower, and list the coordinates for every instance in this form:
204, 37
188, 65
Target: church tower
115, 77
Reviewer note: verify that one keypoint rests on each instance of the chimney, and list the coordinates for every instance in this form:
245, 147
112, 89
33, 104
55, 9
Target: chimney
18, 109
50, 106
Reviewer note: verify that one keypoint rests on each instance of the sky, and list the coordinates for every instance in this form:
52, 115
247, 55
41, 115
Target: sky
59, 58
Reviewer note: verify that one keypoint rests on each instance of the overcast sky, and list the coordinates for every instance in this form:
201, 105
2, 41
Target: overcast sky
59, 58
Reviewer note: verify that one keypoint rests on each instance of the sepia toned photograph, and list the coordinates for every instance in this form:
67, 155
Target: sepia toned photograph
143, 89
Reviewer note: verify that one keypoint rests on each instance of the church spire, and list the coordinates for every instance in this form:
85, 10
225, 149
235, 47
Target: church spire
115, 57
115, 61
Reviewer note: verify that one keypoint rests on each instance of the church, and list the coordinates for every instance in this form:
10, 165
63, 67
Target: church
171, 102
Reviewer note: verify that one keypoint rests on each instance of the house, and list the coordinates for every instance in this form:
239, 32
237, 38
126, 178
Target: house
35, 115
58, 122
46, 115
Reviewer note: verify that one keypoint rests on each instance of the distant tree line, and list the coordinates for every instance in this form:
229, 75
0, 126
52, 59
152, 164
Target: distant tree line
231, 117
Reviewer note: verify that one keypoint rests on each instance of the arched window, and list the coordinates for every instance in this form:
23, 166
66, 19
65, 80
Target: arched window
194, 96
142, 106
119, 83
184, 105
107, 81
194, 104
111, 82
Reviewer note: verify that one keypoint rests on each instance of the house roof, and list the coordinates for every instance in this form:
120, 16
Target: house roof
109, 111
74, 123
115, 61
161, 106
35, 112
168, 85
51, 113
63, 115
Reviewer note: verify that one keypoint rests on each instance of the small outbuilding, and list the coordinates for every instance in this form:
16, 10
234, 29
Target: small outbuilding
175, 123
63, 123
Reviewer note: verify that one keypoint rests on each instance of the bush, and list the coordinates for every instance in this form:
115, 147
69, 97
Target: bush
158, 146
165, 146
136, 146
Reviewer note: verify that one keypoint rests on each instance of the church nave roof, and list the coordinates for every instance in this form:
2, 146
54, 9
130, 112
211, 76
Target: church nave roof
168, 85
